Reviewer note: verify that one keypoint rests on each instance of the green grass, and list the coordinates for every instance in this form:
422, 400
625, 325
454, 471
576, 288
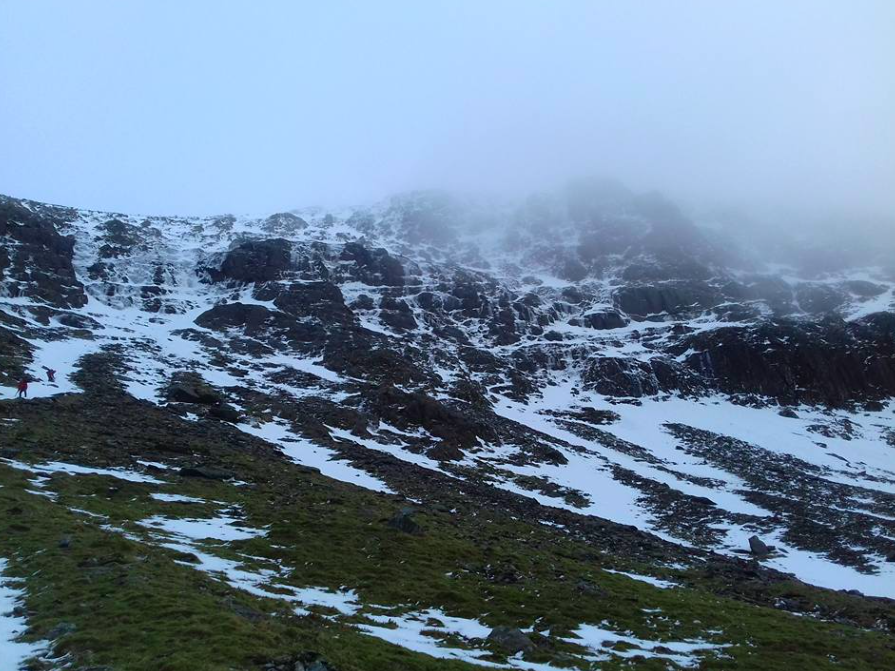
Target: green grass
135, 608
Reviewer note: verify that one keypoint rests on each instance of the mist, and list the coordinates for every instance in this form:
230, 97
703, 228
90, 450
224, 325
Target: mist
778, 112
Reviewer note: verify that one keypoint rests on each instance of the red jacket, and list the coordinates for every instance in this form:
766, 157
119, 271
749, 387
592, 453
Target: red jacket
23, 385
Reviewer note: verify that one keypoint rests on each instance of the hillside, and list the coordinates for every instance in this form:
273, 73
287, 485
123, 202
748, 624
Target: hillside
577, 431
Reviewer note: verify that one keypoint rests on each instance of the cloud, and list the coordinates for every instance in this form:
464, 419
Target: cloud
205, 106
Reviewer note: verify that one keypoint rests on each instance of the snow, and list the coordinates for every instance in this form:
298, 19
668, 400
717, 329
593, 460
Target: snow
306, 453
655, 582
598, 639
220, 528
408, 631
175, 498
75, 469
13, 652
154, 348
868, 465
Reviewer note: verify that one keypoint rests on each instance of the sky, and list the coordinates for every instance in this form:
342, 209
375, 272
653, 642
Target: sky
204, 107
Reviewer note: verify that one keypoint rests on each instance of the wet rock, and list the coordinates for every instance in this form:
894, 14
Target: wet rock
789, 413
510, 640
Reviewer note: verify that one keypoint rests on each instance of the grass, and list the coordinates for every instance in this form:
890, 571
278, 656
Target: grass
132, 606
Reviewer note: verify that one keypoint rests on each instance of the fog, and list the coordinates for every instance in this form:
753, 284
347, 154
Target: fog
773, 112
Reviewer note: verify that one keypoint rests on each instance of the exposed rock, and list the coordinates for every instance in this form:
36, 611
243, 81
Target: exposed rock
206, 472
375, 267
613, 376
666, 299
191, 388
604, 320
403, 521
818, 299
510, 640
830, 362
225, 413
255, 261
758, 547
39, 261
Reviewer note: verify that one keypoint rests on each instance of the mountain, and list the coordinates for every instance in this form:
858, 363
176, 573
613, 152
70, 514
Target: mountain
577, 431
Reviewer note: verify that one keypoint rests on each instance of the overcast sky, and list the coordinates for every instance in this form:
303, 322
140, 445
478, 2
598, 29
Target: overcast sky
206, 107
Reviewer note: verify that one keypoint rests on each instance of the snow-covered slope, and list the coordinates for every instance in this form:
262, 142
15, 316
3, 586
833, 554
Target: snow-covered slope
596, 352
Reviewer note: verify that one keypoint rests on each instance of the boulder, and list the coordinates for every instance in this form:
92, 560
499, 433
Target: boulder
510, 640
609, 319
758, 547
190, 388
225, 413
403, 521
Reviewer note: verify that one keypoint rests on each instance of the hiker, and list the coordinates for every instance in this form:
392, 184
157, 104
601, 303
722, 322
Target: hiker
22, 391
51, 374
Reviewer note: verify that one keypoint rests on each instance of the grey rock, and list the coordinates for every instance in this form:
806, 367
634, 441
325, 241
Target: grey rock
758, 547
60, 630
510, 640
403, 521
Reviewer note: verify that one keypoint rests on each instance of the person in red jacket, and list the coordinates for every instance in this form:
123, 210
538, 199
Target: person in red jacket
22, 391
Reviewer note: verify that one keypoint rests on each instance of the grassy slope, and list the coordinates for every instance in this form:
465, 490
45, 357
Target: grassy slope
134, 607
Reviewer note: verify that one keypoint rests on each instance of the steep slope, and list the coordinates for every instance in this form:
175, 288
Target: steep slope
588, 368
